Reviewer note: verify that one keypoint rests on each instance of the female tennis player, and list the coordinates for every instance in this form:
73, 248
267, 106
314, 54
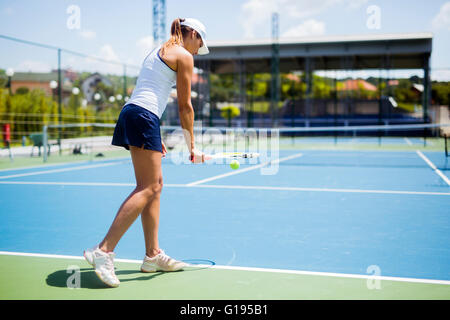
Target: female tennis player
138, 130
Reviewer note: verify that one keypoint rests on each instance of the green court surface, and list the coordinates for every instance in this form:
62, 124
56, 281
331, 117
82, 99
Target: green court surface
20, 161
47, 278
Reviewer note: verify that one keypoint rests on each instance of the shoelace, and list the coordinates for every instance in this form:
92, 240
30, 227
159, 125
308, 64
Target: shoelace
165, 258
109, 264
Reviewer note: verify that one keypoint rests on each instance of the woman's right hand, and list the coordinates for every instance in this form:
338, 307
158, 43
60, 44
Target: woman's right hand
197, 156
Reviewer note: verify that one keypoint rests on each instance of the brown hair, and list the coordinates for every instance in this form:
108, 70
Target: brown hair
177, 33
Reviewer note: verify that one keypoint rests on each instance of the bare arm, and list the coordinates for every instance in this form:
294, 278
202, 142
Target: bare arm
185, 67
186, 111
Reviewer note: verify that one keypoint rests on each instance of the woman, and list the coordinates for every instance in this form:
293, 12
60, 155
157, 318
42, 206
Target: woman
138, 130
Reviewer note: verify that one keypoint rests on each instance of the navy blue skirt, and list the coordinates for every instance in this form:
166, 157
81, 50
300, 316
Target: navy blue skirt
137, 127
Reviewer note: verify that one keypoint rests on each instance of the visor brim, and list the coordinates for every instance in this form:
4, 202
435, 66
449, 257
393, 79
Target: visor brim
203, 50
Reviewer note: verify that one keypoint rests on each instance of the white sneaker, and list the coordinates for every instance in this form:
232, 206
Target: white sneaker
104, 265
161, 262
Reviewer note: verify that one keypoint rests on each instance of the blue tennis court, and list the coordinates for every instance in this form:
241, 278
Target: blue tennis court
322, 211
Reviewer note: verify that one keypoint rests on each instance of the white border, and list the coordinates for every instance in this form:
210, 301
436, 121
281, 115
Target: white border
252, 269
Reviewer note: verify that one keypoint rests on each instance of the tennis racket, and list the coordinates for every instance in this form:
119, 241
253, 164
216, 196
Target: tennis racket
231, 155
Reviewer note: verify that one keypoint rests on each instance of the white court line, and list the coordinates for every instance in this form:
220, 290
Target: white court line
408, 142
212, 186
220, 176
61, 170
59, 164
431, 164
285, 271
83, 184
321, 190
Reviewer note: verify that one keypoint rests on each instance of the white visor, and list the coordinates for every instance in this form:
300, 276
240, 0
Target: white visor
200, 28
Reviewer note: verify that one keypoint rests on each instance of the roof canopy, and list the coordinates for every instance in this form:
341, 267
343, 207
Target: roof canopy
387, 51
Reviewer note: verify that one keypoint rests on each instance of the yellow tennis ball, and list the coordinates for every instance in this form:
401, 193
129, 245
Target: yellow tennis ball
234, 164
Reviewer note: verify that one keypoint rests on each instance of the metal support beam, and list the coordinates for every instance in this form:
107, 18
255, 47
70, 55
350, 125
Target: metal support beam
159, 22
208, 100
250, 109
426, 87
242, 86
309, 83
426, 93
275, 71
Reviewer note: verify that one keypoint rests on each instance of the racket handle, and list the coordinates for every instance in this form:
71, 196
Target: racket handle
204, 157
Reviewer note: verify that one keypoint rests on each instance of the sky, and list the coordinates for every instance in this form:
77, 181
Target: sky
118, 30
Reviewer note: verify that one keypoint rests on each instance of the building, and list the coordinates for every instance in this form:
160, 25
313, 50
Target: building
357, 84
90, 84
38, 80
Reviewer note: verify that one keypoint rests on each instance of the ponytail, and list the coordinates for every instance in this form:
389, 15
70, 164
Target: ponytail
176, 34
175, 31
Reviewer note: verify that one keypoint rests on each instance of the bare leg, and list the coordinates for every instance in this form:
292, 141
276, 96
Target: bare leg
150, 224
147, 169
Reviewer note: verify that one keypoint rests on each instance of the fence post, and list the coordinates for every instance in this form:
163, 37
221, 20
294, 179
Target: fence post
44, 141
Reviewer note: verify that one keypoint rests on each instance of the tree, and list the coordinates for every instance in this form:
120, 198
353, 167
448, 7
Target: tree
440, 93
22, 90
230, 112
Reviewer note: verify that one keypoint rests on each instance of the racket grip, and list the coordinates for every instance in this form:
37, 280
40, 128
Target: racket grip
204, 157
191, 158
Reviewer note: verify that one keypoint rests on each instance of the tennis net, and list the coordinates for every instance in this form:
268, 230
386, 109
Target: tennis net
93, 138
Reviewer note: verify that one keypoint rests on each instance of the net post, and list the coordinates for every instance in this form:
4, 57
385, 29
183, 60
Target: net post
445, 142
44, 139
91, 152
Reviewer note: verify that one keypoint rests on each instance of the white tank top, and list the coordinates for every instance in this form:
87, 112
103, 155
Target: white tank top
154, 83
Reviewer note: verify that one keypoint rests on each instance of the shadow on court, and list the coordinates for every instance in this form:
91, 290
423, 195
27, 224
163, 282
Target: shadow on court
89, 280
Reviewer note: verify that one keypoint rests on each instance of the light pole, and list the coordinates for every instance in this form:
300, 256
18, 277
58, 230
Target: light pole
9, 73
119, 98
53, 85
75, 92
7, 126
97, 98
